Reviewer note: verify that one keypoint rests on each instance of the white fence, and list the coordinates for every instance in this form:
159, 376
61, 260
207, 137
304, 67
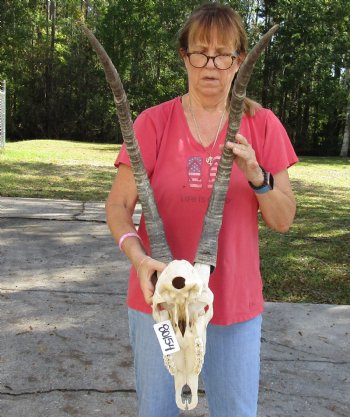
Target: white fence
2, 113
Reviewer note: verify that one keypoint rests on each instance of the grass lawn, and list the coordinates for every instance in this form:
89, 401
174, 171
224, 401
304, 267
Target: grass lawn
311, 263
57, 169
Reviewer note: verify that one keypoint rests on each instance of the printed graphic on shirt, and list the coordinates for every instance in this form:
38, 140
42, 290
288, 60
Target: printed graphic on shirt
196, 178
194, 171
212, 171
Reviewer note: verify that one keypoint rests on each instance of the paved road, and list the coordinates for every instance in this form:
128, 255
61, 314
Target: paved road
64, 347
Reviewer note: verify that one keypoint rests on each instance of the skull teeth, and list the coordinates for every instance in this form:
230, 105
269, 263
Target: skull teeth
170, 364
199, 355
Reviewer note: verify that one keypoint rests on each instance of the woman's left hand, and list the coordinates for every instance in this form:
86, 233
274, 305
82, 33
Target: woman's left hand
278, 206
246, 159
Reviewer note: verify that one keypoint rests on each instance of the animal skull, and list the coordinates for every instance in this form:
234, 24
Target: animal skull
182, 296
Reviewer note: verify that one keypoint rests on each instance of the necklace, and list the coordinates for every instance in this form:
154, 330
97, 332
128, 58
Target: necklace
209, 159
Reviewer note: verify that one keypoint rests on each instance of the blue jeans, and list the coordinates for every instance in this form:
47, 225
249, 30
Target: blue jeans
230, 372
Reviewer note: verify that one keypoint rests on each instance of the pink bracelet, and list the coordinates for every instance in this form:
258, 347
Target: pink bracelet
125, 236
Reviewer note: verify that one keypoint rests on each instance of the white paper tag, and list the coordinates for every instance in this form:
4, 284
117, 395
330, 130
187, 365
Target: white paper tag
166, 337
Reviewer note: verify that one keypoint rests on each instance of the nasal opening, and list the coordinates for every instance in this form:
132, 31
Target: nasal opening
186, 395
178, 282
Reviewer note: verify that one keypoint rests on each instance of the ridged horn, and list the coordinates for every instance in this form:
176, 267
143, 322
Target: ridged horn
154, 225
207, 248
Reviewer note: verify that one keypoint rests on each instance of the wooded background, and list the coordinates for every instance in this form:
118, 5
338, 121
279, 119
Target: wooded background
56, 88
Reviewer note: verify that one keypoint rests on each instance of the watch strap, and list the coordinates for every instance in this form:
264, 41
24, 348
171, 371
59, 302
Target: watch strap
266, 186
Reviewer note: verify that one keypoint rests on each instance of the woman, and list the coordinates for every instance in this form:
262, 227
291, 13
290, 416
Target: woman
181, 142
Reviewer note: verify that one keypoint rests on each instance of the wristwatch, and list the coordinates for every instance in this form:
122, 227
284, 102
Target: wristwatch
266, 186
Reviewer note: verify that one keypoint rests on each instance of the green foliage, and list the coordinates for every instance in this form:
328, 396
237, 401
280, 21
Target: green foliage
56, 88
313, 50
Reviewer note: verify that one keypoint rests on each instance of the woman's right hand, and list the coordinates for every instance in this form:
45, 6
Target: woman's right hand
147, 270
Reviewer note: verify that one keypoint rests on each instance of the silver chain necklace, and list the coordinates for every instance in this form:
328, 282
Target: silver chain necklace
209, 160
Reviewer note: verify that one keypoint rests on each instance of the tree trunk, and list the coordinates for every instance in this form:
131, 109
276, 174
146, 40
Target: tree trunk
345, 146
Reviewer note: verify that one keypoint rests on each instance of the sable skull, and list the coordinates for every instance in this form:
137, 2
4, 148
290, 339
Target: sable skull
182, 294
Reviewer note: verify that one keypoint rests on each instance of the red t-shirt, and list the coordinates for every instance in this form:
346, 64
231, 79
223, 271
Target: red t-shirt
182, 183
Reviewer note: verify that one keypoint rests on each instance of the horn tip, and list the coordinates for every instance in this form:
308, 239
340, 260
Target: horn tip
274, 28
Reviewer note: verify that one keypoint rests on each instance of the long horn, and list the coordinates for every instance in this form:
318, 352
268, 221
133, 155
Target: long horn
154, 225
207, 248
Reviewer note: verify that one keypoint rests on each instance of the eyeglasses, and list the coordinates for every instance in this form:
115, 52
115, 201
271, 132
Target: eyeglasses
221, 62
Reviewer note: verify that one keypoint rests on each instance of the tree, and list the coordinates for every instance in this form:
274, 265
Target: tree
305, 67
57, 89
345, 145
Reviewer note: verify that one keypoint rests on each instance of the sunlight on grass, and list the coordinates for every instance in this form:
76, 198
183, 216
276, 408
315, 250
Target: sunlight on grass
322, 171
62, 152
57, 169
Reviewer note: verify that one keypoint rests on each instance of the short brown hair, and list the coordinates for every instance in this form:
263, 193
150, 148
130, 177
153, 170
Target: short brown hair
213, 16
228, 25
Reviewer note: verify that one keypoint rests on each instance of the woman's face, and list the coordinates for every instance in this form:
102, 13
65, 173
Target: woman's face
210, 81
